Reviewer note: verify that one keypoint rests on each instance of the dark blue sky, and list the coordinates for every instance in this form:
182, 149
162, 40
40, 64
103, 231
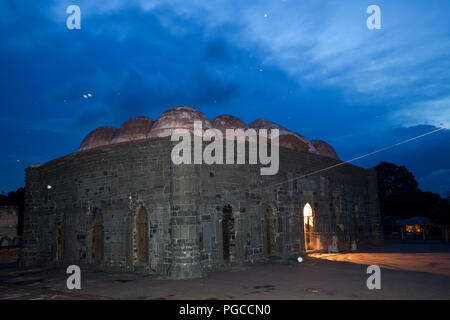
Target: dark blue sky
311, 66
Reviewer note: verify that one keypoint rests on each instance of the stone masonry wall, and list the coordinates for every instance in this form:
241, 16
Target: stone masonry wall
8, 225
86, 208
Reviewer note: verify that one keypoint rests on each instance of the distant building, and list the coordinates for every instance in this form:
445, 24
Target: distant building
120, 203
8, 225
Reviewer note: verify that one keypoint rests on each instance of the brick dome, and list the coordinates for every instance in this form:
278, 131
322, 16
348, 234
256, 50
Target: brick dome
325, 149
287, 139
134, 129
180, 117
98, 137
228, 122
183, 117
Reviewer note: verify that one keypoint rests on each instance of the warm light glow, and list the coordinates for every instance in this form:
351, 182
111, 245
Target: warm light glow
413, 228
307, 217
307, 210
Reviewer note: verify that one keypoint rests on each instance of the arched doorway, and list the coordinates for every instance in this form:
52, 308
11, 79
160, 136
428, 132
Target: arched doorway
98, 238
142, 236
308, 225
227, 231
271, 231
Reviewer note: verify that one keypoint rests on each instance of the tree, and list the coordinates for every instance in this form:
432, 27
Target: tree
400, 195
393, 179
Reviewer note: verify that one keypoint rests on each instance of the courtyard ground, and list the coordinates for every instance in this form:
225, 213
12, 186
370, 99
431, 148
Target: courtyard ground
414, 270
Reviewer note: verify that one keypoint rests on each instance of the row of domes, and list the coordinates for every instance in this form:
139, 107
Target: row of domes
183, 117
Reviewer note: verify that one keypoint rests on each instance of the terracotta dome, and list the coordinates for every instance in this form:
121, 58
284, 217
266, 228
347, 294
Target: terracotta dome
228, 122
287, 139
325, 149
267, 124
99, 137
134, 129
180, 117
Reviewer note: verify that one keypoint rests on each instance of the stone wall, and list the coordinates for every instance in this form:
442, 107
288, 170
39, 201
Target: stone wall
127, 207
267, 211
8, 225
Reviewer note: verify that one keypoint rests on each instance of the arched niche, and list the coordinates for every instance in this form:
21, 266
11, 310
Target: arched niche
142, 236
271, 228
97, 241
227, 231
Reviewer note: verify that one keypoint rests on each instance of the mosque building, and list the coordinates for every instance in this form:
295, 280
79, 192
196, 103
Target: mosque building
119, 202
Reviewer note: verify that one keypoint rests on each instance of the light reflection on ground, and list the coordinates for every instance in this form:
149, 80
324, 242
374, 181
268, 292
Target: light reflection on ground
436, 263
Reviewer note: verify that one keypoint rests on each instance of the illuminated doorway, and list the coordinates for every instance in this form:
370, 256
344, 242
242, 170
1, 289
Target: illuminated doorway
308, 224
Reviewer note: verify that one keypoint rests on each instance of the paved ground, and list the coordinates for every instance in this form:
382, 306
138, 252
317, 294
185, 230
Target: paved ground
425, 257
311, 279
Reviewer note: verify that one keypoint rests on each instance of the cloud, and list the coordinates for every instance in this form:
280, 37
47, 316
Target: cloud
437, 181
407, 58
217, 51
141, 69
311, 66
427, 157
433, 111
